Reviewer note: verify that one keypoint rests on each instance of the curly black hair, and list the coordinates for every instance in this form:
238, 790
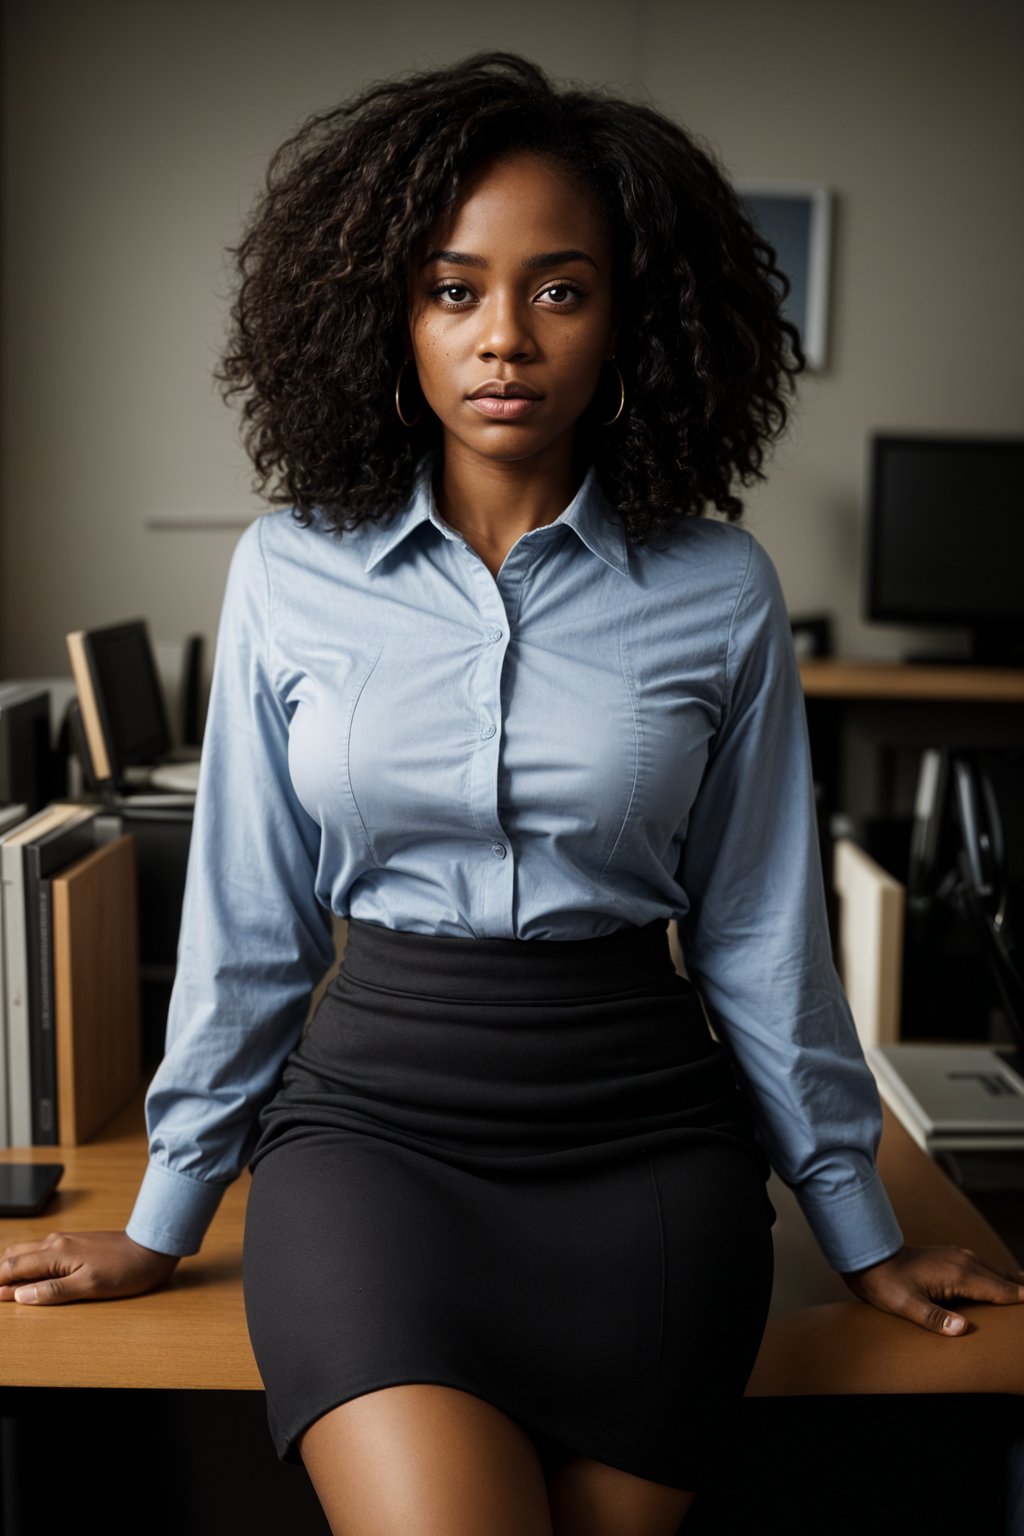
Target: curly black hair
319, 321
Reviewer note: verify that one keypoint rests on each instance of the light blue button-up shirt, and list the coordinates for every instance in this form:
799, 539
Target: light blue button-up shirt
599, 736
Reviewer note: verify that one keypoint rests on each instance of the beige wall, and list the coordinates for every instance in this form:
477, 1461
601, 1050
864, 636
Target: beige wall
136, 134
913, 113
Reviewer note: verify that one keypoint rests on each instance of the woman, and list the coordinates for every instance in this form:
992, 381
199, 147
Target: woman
492, 688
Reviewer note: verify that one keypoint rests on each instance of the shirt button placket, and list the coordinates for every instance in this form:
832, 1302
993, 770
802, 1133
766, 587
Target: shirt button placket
497, 915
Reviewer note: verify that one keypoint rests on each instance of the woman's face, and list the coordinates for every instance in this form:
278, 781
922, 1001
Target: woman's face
516, 288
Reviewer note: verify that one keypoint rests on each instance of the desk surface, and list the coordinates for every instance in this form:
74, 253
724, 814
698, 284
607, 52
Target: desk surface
843, 678
192, 1333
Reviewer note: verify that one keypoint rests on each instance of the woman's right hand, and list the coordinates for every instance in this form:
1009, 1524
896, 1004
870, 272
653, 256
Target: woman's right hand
80, 1266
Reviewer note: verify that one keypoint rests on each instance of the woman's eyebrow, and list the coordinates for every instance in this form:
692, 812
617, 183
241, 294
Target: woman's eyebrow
543, 259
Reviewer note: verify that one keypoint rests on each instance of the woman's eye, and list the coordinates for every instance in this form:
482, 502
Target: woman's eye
573, 295
449, 288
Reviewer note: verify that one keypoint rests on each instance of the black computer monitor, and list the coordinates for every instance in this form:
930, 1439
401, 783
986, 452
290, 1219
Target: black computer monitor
129, 695
945, 538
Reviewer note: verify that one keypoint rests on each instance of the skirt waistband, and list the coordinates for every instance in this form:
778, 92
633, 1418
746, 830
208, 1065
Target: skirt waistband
506, 1056
623, 963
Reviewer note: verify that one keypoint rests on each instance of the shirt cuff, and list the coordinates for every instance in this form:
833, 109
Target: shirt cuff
173, 1210
855, 1228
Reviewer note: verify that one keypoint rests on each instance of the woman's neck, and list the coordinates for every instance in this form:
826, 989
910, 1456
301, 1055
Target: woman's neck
492, 503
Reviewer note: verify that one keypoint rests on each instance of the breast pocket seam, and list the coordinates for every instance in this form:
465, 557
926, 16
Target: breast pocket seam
347, 775
630, 686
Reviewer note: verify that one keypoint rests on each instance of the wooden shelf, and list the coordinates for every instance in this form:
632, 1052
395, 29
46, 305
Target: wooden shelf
848, 678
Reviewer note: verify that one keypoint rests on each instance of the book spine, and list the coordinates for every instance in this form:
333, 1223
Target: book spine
43, 1109
45, 857
5, 1127
18, 1068
44, 1112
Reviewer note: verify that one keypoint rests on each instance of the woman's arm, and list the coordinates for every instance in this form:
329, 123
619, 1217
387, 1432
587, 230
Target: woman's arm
757, 947
253, 943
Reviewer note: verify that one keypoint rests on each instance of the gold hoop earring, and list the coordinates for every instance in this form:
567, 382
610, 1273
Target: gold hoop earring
398, 408
622, 395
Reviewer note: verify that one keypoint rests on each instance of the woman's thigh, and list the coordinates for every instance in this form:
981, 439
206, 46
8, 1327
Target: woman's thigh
424, 1460
590, 1498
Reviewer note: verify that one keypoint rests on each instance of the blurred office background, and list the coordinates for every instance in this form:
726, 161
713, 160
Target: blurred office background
136, 133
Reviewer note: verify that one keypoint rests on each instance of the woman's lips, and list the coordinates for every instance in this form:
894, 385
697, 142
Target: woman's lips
506, 408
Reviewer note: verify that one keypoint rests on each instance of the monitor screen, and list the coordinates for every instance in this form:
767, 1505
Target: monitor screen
946, 530
129, 694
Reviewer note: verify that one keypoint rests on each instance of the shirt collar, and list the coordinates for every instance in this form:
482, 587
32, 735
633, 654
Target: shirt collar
596, 522
409, 517
589, 514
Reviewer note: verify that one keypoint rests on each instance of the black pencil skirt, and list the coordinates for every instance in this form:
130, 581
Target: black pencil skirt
522, 1168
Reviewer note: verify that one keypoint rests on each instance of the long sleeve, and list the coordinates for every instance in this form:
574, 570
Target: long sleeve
254, 939
756, 942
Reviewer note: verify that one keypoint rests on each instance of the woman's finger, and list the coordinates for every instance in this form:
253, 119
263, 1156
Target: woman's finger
21, 1262
1014, 1276
983, 1284
28, 1246
49, 1292
40, 1274
962, 1273
919, 1307
936, 1318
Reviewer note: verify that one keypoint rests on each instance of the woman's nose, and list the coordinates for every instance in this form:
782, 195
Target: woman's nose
504, 330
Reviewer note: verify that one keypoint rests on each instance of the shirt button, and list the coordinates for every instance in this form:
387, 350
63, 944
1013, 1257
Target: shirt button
499, 850
488, 729
494, 633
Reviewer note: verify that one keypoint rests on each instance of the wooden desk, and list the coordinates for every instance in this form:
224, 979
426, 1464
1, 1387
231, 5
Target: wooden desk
192, 1333
189, 1334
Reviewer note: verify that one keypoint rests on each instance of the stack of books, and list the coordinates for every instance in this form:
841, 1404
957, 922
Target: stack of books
70, 1052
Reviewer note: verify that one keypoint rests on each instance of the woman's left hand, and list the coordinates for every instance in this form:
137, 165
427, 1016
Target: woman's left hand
918, 1283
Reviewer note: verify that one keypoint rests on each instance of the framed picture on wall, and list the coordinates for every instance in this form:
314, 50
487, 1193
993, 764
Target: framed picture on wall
796, 219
